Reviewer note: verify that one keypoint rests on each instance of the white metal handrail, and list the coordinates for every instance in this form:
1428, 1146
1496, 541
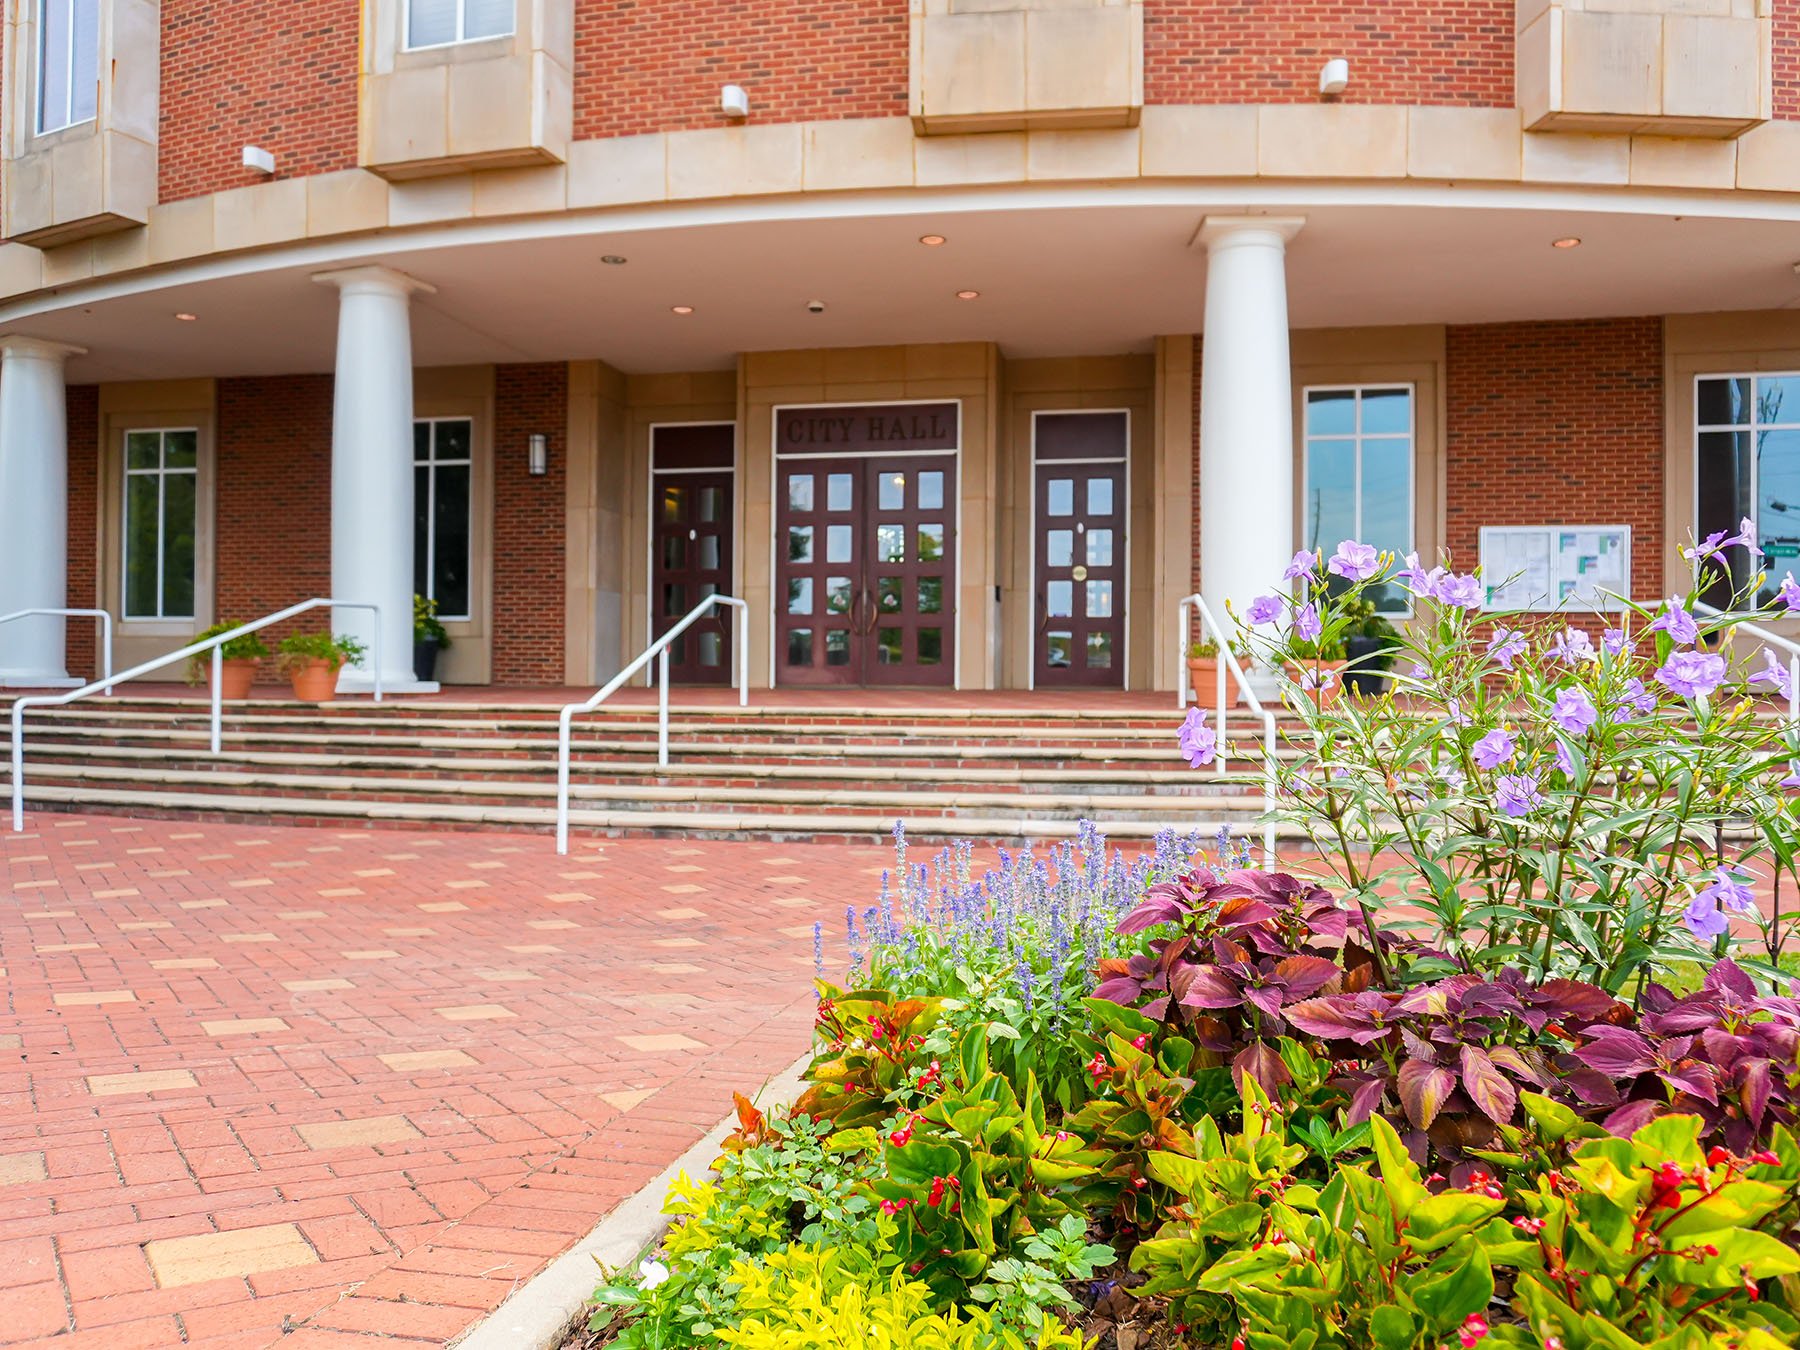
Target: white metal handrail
1228, 661
1774, 639
106, 630
660, 650
214, 644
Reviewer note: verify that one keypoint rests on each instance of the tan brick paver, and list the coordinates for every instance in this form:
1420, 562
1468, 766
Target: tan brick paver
254, 1123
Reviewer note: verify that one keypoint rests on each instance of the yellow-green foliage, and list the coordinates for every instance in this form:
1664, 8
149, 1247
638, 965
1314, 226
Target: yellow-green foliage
812, 1298
704, 1224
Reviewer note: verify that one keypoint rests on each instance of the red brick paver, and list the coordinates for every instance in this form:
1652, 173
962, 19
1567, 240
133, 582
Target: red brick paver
267, 1086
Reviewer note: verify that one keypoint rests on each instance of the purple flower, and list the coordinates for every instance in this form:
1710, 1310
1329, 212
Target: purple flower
1793, 778
1517, 794
1692, 674
1776, 674
1506, 646
1453, 779
1311, 679
1633, 696
1414, 577
1564, 760
1746, 536
1302, 565
1678, 624
1494, 749
1199, 742
1789, 594
1614, 642
1356, 561
1728, 892
1450, 588
1264, 609
1574, 713
1703, 918
1457, 715
1708, 546
1306, 622
1573, 646
1419, 670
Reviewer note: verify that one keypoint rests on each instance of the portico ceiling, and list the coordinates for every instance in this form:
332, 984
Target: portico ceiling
1059, 272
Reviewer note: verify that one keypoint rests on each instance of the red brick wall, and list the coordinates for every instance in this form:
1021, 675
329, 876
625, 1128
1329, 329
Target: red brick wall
272, 73
1270, 51
529, 524
1787, 59
657, 65
273, 489
1557, 424
82, 405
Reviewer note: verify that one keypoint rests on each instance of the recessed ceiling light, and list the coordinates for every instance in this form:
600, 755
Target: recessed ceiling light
931, 240
1569, 242
186, 317
968, 295
681, 309
612, 260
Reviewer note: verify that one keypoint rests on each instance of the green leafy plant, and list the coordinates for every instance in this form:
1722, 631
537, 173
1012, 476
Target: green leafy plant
868, 1058
248, 647
426, 625
1019, 1288
301, 649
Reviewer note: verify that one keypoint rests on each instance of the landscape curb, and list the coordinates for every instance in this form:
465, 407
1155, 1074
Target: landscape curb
542, 1312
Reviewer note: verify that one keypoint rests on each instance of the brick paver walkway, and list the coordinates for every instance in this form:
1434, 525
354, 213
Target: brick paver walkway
307, 1088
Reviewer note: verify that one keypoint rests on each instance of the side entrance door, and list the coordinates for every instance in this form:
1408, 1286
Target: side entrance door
1079, 508
690, 543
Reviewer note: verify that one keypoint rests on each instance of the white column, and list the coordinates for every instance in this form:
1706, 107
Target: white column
1246, 411
372, 471
34, 511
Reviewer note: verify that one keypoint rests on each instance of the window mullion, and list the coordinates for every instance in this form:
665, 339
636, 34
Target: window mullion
431, 504
162, 500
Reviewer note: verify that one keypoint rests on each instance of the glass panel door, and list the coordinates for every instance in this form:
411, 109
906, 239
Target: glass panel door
1080, 639
690, 539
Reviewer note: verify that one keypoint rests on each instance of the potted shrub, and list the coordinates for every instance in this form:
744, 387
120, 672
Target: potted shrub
1318, 667
239, 659
312, 661
1203, 662
1369, 644
429, 638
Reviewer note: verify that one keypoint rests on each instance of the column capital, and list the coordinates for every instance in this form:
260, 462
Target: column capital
374, 280
39, 349
1225, 231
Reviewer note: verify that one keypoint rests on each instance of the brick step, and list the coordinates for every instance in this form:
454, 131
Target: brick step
696, 773
755, 800
850, 827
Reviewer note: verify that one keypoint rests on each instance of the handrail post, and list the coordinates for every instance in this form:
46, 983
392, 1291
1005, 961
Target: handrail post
662, 708
377, 609
106, 631
218, 695
562, 779
1184, 633
741, 622
18, 767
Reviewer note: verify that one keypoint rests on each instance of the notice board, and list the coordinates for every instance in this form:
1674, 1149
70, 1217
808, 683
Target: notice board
1553, 567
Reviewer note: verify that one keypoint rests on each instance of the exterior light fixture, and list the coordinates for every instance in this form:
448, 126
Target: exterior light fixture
1569, 241
612, 260
681, 309
258, 159
537, 454
968, 295
1335, 77
733, 101
185, 317
931, 240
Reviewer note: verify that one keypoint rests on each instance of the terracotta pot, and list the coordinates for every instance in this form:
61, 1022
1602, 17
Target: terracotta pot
315, 682
1327, 676
1203, 679
235, 677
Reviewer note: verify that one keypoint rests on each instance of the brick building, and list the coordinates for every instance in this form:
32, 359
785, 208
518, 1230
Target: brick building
962, 348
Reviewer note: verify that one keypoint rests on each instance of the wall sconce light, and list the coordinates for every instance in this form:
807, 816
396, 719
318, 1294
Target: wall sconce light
537, 454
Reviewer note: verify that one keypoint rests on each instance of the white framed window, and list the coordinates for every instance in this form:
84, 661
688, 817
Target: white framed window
1747, 466
68, 63
162, 480
442, 23
443, 481
1359, 472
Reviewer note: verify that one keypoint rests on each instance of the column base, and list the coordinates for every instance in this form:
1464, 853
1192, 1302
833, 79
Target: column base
362, 684
40, 682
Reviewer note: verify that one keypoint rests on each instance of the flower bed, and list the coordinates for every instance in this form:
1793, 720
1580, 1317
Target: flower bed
1518, 1068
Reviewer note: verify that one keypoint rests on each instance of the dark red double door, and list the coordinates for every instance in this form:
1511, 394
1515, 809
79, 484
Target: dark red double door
690, 546
866, 571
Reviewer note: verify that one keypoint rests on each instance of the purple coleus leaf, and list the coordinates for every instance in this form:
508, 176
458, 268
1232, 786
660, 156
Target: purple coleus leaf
1304, 976
1572, 999
1692, 1077
1423, 1088
1205, 987
1265, 998
1491, 1091
1727, 976
1632, 1117
1366, 1098
1345, 1017
1617, 1053
1121, 989
1511, 1061
1260, 1061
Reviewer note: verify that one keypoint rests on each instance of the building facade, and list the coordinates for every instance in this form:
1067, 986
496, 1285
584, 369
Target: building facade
961, 339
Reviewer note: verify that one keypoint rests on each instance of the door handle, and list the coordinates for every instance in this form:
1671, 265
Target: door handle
1043, 613
867, 598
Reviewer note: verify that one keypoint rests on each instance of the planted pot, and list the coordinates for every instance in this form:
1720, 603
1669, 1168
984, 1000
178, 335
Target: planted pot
1327, 679
236, 677
1203, 679
1365, 678
425, 658
315, 681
